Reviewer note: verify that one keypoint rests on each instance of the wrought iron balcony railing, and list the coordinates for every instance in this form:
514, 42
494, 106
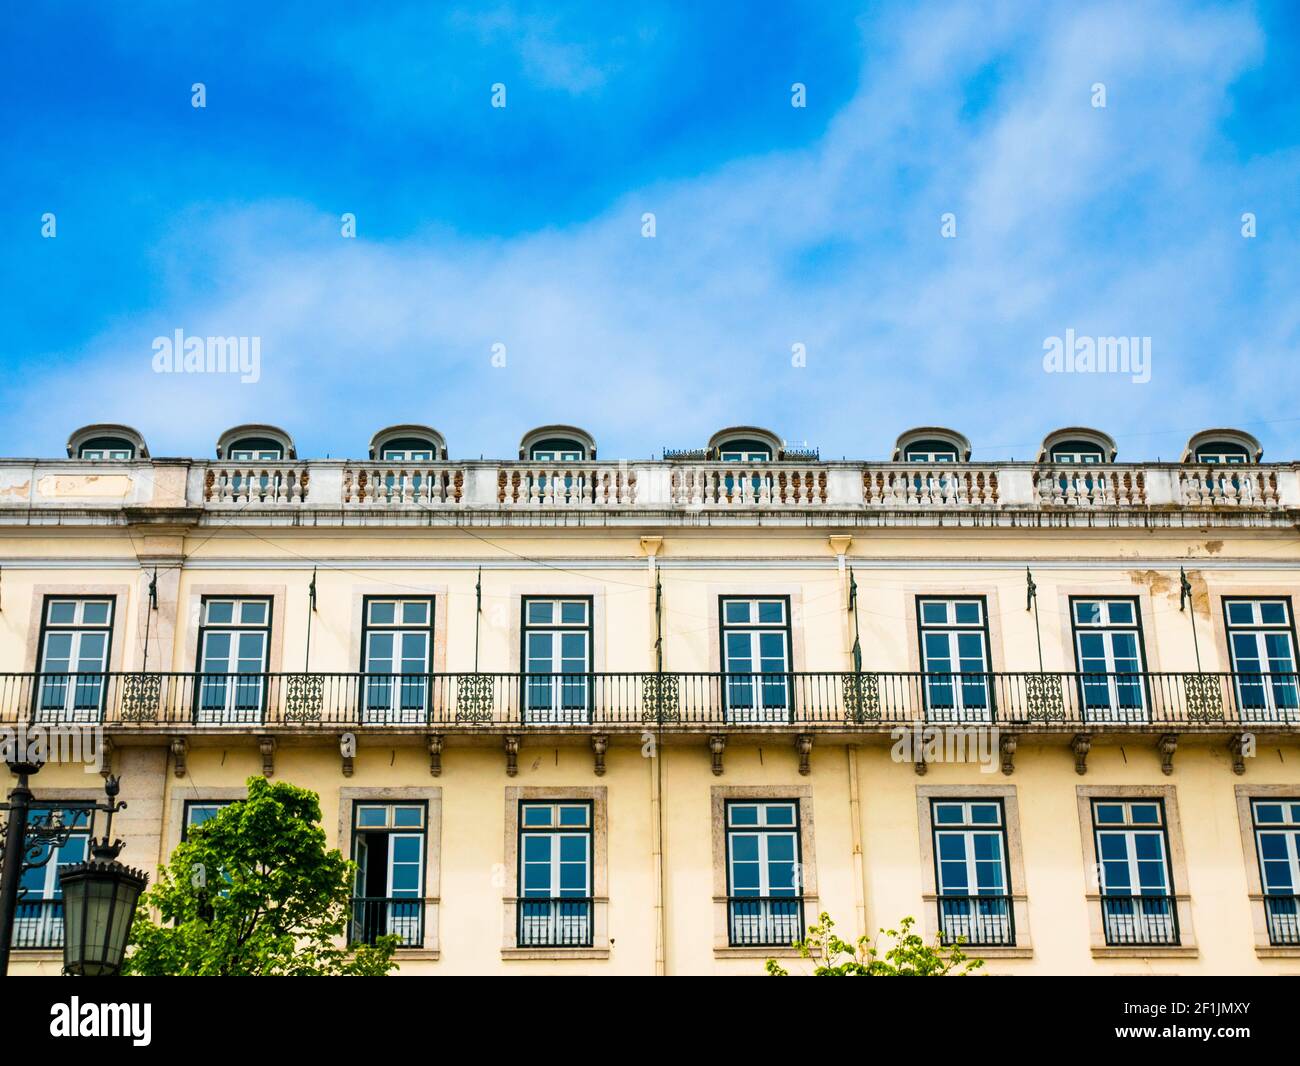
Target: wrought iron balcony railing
555, 922
38, 924
978, 921
1283, 914
843, 701
764, 922
373, 917
1136, 921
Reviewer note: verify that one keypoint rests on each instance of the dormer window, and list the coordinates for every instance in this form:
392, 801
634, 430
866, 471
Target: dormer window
558, 444
255, 444
1076, 453
408, 444
932, 444
745, 451
107, 443
1222, 447
745, 444
1222, 452
106, 448
557, 451
408, 450
931, 451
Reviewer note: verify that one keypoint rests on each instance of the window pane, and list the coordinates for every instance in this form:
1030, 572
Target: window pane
94, 613
381, 612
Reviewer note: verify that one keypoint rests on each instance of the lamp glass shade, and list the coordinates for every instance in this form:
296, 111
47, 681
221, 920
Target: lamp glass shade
99, 901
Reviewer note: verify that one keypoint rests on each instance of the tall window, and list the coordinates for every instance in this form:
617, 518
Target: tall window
954, 656
1277, 843
1109, 655
756, 658
555, 894
38, 918
764, 874
75, 638
233, 642
396, 639
970, 854
1261, 640
1137, 898
388, 845
557, 660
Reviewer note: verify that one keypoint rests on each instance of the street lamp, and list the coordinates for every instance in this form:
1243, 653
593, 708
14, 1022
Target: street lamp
99, 895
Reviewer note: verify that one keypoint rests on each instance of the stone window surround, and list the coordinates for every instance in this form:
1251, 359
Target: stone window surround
1254, 883
719, 795
598, 797
119, 594
431, 796
1177, 865
1023, 948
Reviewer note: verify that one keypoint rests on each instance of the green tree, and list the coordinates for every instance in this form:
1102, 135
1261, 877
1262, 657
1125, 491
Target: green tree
254, 892
910, 955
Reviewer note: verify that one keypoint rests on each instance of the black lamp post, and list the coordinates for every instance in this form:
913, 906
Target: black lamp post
99, 896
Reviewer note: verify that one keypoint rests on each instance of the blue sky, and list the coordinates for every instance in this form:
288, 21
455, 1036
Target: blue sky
775, 226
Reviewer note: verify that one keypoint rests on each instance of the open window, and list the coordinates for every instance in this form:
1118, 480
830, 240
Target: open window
388, 846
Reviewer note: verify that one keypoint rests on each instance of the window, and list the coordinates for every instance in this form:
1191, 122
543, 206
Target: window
106, 448
764, 874
1277, 841
557, 660
1136, 884
555, 883
199, 811
409, 450
1077, 454
233, 641
739, 450
38, 916
970, 855
557, 450
75, 638
388, 846
1261, 641
954, 657
930, 451
255, 450
1109, 656
1222, 452
396, 639
756, 658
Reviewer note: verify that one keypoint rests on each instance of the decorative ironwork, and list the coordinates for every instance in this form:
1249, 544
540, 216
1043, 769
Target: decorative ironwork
861, 697
1044, 701
1204, 698
141, 694
304, 696
661, 698
474, 698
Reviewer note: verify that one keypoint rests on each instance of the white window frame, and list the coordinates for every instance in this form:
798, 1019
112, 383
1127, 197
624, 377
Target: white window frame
561, 686
1115, 710
953, 630
752, 686
399, 707
233, 708
77, 685
1260, 630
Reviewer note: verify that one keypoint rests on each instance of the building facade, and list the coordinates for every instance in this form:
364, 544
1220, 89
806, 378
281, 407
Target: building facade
580, 715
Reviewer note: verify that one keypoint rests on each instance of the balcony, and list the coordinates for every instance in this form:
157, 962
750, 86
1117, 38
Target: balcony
976, 921
38, 924
373, 917
682, 491
764, 922
1139, 921
559, 922
831, 701
1283, 916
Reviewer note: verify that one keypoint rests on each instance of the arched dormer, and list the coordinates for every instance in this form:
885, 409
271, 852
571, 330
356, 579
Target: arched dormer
558, 444
745, 444
257, 444
1077, 445
408, 444
1222, 446
107, 441
931, 444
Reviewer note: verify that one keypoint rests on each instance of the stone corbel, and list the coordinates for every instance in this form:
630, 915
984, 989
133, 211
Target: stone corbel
180, 747
1080, 744
435, 754
803, 743
266, 745
106, 757
1007, 747
1168, 744
599, 745
512, 756
717, 745
348, 753
918, 762
1237, 746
